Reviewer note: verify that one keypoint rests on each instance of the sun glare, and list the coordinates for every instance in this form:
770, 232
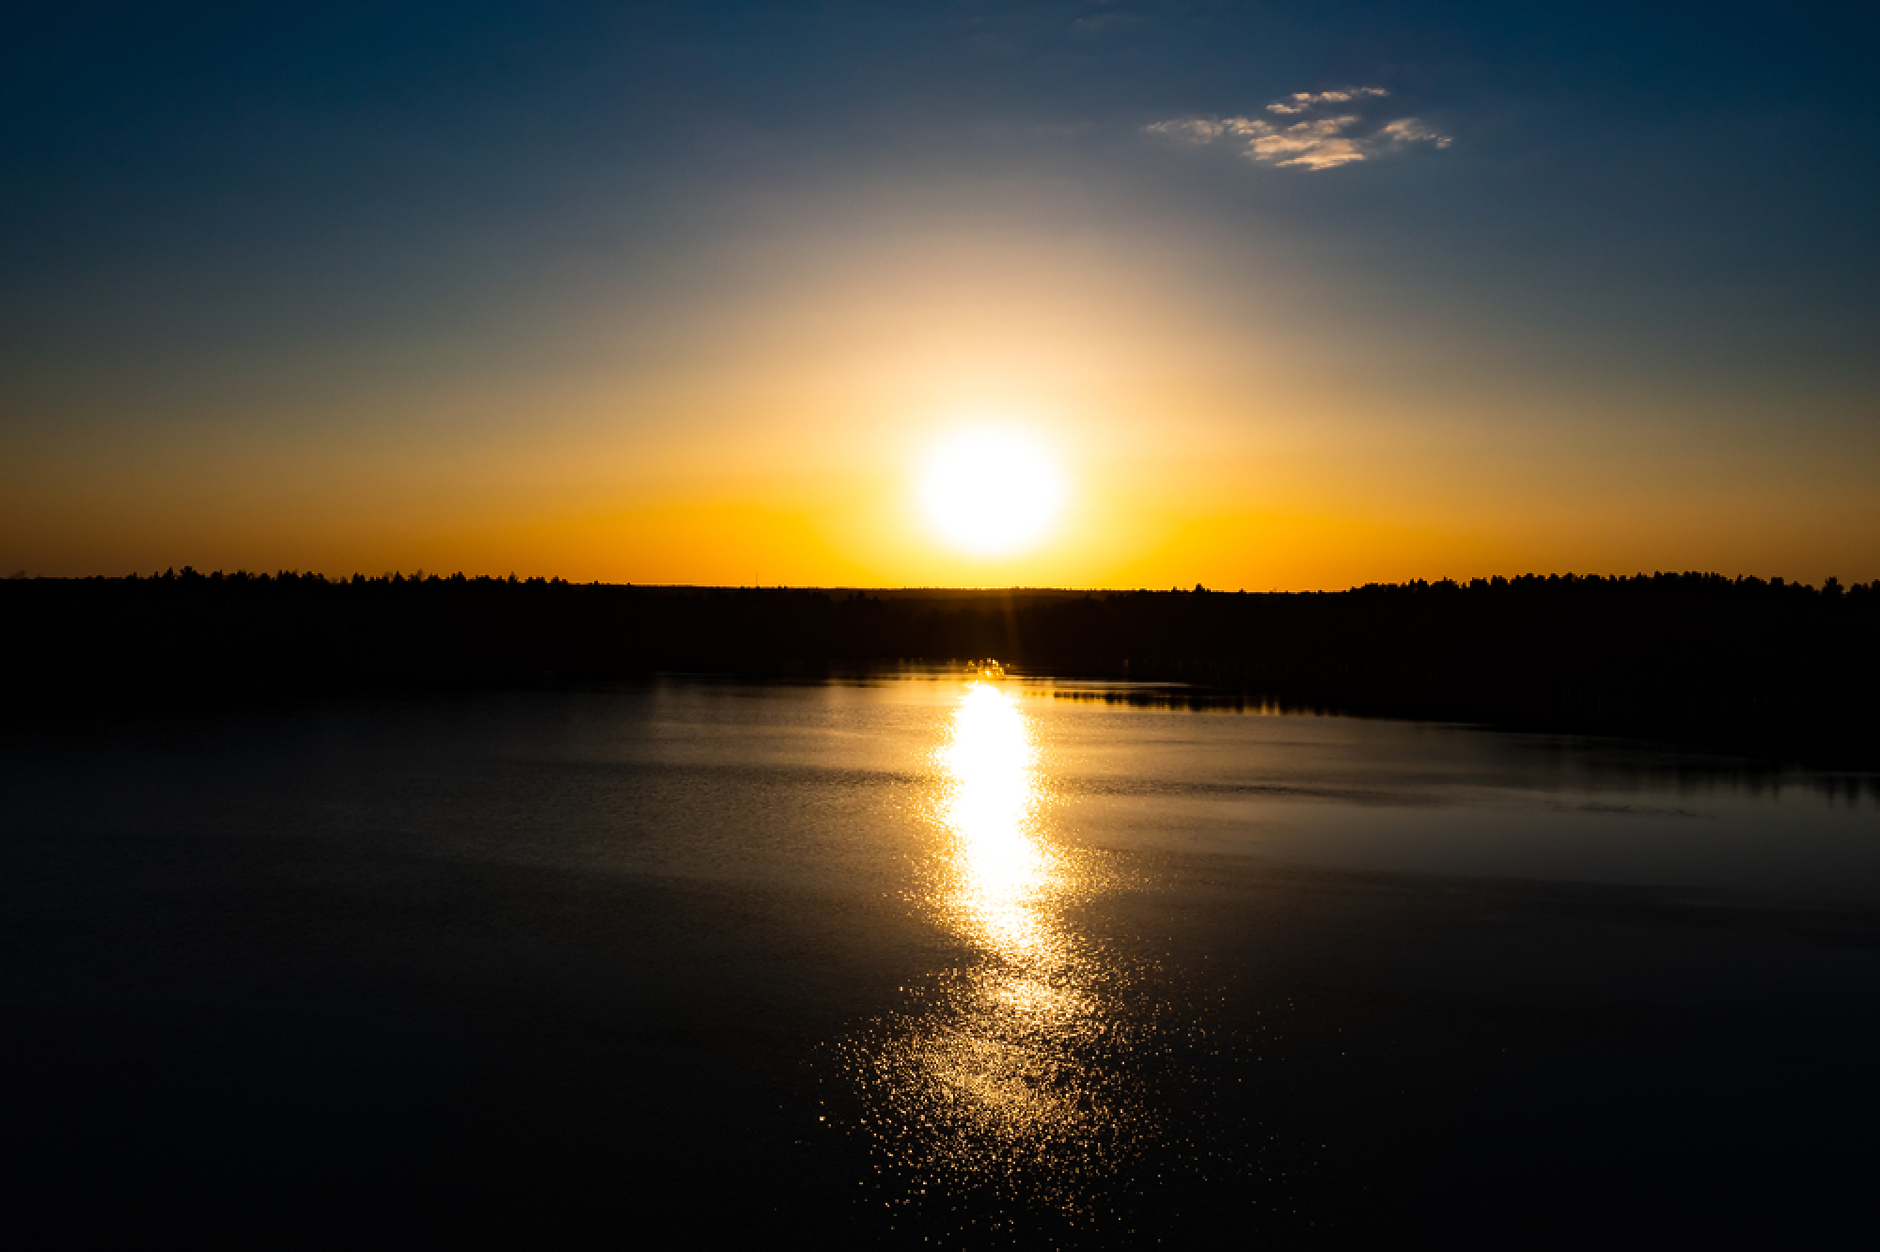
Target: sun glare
991, 492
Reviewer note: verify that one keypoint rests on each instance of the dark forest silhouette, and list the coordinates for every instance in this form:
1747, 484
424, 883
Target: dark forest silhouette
1739, 664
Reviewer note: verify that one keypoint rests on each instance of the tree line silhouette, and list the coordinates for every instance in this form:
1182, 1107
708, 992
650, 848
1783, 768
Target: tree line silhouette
1744, 664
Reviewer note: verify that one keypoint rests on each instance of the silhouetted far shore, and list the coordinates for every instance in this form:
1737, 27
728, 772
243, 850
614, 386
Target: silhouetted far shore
1745, 665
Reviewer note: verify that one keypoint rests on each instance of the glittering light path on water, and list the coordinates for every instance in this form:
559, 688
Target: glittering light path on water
1014, 1071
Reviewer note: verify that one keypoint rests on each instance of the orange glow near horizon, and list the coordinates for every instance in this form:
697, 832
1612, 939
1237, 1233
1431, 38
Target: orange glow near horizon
774, 418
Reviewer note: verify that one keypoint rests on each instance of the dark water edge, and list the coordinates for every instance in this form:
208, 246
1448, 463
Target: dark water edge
292, 1042
1767, 669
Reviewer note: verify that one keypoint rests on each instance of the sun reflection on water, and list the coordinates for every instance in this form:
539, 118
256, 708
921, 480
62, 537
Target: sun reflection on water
1012, 1064
1003, 874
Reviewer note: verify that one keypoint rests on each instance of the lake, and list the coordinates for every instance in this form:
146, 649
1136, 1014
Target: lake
913, 958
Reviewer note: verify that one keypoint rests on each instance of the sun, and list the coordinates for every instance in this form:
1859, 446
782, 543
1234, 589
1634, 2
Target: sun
991, 492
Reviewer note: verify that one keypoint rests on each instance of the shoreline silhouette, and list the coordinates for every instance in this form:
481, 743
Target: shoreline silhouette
1743, 665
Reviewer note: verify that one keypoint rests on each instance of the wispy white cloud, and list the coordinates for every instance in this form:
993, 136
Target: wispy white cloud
1321, 141
1314, 145
1413, 130
1300, 101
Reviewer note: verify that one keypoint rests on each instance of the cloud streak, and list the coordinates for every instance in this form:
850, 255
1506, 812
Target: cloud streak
1319, 140
1300, 101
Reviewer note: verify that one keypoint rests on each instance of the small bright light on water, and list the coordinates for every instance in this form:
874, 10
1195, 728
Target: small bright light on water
991, 491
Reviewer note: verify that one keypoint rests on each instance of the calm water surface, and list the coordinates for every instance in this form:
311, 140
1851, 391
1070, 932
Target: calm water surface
926, 957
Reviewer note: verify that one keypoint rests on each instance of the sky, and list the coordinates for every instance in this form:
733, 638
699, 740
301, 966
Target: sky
1287, 296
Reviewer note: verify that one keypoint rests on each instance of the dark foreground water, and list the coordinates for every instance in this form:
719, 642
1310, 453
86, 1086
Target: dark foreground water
923, 961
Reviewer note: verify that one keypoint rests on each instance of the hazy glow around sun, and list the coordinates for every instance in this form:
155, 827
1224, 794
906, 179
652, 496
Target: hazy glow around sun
991, 491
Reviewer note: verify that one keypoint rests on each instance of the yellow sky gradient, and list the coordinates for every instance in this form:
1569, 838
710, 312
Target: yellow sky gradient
1223, 414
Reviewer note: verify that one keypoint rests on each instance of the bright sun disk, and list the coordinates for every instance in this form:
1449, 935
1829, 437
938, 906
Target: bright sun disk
991, 491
